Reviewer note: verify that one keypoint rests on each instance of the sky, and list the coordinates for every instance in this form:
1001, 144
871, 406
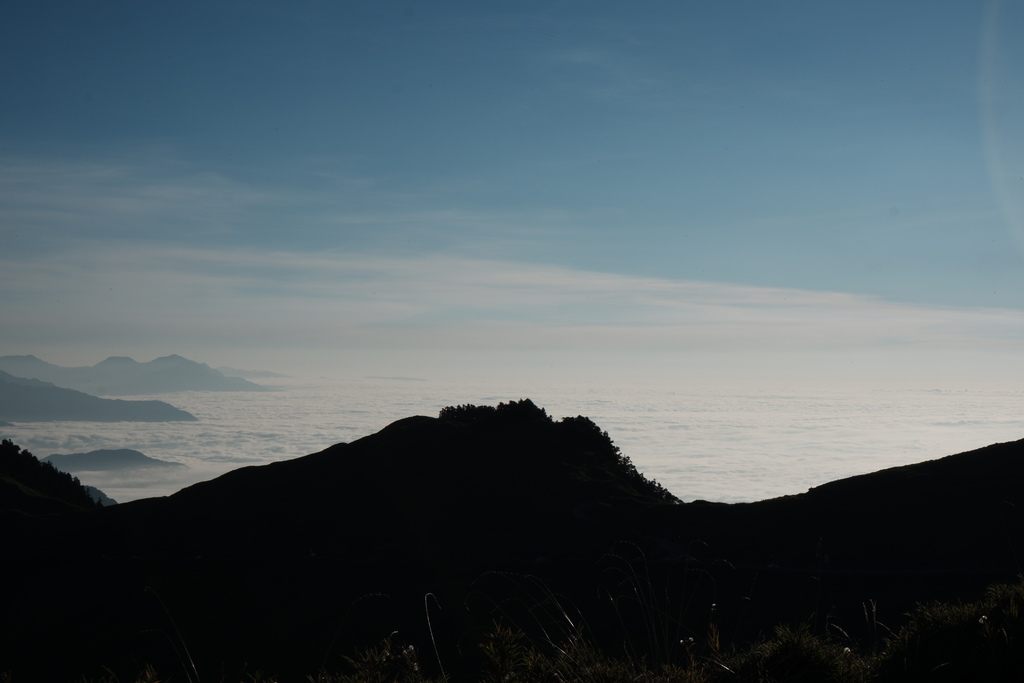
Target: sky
655, 191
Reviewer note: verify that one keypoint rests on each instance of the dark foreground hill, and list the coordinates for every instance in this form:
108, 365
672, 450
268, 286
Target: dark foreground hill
31, 400
435, 528
123, 376
31, 487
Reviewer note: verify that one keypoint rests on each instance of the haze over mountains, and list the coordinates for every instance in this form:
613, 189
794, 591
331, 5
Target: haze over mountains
106, 460
32, 390
32, 400
123, 376
495, 513
249, 374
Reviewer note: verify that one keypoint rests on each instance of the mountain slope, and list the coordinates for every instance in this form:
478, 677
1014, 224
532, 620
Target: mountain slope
28, 486
122, 376
29, 400
493, 513
963, 512
451, 487
271, 557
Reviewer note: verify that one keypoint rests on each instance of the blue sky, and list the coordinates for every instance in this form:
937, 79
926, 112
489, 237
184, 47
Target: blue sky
761, 184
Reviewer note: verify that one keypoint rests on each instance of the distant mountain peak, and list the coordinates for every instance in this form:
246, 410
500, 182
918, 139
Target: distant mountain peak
174, 358
117, 360
123, 376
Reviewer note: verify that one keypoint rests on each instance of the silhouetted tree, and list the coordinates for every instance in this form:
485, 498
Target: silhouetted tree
23, 467
579, 433
467, 413
524, 409
606, 453
513, 411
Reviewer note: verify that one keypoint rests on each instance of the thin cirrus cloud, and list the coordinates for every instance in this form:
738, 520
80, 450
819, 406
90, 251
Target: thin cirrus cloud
295, 298
154, 196
42, 199
151, 252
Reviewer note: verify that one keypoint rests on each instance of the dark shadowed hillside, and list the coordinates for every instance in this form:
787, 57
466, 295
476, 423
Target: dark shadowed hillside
31, 487
490, 513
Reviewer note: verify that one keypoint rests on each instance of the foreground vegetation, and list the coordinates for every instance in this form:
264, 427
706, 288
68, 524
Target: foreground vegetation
978, 641
981, 640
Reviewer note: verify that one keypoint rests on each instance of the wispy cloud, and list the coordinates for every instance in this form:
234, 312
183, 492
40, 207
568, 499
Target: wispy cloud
44, 202
350, 299
152, 196
165, 254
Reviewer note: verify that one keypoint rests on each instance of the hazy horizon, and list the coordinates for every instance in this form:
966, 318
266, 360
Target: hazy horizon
723, 195
715, 442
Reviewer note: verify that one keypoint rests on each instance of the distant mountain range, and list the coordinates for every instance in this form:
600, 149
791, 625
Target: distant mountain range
436, 528
106, 460
31, 400
122, 376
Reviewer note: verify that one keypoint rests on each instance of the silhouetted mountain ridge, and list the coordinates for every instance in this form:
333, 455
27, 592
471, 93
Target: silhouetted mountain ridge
29, 486
451, 486
288, 563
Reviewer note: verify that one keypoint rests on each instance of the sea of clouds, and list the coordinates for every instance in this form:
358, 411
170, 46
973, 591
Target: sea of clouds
721, 443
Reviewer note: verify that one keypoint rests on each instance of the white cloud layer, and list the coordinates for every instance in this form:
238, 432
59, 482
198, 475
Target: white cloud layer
701, 441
